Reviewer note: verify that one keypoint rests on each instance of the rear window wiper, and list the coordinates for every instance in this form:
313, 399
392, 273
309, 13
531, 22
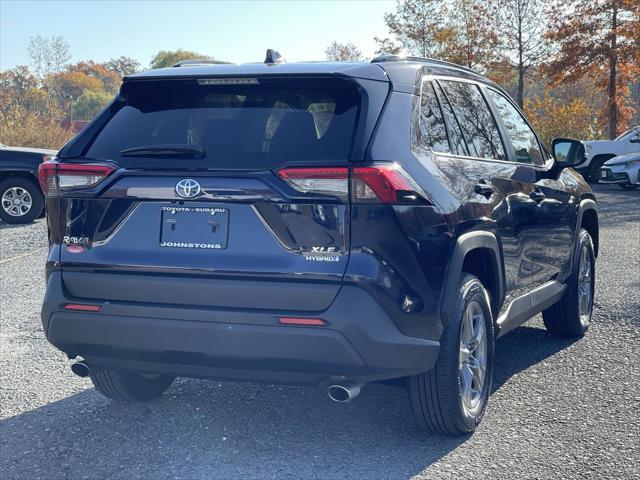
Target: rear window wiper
173, 150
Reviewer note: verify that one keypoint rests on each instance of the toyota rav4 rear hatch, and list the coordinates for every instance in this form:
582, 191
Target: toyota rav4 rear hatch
213, 192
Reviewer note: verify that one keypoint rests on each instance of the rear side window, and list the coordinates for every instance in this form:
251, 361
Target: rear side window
522, 137
246, 126
474, 117
432, 128
456, 139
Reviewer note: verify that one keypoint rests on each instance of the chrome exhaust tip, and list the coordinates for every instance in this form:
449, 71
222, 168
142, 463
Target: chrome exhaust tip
344, 392
81, 369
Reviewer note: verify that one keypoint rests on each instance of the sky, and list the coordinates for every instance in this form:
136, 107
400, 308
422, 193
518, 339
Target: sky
235, 31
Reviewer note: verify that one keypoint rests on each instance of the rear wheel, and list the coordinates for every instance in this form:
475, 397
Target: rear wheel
130, 386
571, 316
452, 397
20, 200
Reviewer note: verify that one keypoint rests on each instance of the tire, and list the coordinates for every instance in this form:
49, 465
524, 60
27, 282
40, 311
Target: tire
27, 193
130, 386
569, 317
436, 396
628, 186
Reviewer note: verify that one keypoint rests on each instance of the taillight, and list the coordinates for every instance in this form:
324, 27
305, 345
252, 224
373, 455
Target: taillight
379, 183
387, 183
322, 181
56, 177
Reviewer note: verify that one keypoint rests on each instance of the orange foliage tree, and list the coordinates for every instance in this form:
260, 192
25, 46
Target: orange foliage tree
601, 39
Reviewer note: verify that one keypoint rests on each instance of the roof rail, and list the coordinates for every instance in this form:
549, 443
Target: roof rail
198, 61
392, 58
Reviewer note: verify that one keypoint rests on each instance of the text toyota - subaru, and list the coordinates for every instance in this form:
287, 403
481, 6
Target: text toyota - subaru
313, 223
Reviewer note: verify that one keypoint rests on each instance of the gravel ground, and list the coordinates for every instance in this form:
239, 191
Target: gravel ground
560, 408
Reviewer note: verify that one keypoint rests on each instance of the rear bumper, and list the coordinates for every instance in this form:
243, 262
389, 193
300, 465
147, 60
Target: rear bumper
360, 342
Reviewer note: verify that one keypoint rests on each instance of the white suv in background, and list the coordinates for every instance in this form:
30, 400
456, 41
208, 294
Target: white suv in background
599, 151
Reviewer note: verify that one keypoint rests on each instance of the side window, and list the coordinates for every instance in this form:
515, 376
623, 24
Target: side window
475, 119
456, 139
432, 128
522, 137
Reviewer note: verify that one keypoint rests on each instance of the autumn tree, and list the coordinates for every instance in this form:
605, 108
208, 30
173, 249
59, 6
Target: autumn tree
519, 26
123, 66
343, 52
468, 38
167, 58
386, 46
601, 39
109, 80
48, 55
453, 30
15, 85
90, 103
417, 26
574, 118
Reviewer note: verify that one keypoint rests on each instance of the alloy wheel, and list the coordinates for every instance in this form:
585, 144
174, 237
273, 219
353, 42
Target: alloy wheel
16, 201
472, 358
585, 286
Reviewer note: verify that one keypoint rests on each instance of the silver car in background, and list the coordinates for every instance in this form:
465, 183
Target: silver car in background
623, 170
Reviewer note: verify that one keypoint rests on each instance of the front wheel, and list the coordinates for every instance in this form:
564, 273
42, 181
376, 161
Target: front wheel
628, 186
571, 316
452, 397
130, 386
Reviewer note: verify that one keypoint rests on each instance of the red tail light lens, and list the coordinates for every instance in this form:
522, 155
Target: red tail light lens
322, 181
379, 183
55, 177
387, 183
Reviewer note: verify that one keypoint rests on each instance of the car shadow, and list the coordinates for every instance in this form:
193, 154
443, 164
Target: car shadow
209, 429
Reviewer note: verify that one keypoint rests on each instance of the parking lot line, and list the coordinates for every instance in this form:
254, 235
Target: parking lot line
17, 257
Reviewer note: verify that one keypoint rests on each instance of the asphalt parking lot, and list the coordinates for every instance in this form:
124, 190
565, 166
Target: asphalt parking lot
560, 408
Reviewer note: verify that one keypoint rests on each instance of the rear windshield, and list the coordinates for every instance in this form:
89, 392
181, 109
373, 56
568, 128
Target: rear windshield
261, 125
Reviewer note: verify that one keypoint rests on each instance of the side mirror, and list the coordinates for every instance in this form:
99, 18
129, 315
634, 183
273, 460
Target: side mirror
568, 152
635, 138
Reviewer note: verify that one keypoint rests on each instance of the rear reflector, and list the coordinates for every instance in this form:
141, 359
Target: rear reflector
378, 183
82, 307
55, 176
301, 321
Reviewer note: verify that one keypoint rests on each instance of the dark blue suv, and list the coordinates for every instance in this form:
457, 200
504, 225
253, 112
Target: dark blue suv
324, 224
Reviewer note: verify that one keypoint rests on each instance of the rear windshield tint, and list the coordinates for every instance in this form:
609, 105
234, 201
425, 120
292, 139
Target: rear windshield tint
255, 126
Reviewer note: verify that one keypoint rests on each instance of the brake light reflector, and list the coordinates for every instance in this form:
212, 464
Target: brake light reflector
301, 321
55, 176
323, 181
82, 307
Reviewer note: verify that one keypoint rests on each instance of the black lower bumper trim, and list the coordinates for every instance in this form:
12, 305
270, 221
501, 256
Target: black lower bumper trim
360, 342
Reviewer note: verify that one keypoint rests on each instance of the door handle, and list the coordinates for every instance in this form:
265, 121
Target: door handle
483, 188
537, 196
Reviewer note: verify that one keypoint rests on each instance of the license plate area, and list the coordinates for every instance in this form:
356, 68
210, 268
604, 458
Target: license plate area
194, 227
603, 173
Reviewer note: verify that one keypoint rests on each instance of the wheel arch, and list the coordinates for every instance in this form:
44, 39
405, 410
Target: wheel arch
478, 253
588, 219
26, 174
